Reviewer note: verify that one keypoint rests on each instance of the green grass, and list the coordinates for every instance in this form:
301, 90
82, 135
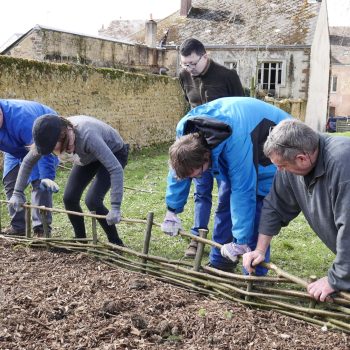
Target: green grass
296, 249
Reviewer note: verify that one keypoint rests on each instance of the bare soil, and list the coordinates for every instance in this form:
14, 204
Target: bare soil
70, 301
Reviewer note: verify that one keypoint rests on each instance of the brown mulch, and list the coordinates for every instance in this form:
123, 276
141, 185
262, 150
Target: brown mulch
70, 301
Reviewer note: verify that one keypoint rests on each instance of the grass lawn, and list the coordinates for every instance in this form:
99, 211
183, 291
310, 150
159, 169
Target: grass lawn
296, 249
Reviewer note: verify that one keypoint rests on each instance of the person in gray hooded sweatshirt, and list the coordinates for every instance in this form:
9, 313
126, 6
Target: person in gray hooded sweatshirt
99, 155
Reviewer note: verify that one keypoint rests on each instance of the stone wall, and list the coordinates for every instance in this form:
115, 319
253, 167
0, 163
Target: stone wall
145, 108
50, 45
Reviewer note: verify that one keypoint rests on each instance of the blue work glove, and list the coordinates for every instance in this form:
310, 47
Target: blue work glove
17, 200
48, 185
171, 224
114, 216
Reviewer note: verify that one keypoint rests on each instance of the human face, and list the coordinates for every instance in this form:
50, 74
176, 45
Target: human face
58, 149
194, 64
197, 173
301, 165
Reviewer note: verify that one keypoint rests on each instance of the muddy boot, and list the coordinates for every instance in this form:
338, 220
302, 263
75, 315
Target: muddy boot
191, 250
12, 232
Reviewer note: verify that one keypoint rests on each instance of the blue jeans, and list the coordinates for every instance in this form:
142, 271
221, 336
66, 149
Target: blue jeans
222, 232
38, 197
202, 201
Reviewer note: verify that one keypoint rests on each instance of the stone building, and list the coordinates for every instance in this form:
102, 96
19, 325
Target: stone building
273, 44
339, 94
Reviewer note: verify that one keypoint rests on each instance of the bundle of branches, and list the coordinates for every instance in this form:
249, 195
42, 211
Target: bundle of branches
283, 293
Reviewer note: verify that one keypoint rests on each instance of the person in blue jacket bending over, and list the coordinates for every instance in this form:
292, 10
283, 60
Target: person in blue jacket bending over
16, 122
225, 136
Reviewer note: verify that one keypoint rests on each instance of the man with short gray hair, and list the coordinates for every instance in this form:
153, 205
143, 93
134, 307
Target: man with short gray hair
313, 177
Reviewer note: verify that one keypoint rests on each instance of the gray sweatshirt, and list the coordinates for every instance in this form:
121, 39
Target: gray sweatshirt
324, 198
94, 141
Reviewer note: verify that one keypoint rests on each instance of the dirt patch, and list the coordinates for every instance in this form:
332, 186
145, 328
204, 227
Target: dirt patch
69, 301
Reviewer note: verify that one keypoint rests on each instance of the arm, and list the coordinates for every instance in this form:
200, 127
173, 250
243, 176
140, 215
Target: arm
105, 156
18, 199
339, 272
234, 84
257, 256
176, 193
25, 170
47, 167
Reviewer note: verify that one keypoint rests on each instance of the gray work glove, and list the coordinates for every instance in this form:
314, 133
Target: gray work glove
49, 185
17, 200
171, 224
114, 216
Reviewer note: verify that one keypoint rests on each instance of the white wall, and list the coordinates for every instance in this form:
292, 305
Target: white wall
317, 105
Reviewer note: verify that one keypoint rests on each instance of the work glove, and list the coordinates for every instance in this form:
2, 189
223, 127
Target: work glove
17, 200
233, 250
171, 224
114, 216
48, 185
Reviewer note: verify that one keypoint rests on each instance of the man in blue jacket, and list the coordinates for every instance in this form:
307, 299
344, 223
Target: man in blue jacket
225, 136
16, 122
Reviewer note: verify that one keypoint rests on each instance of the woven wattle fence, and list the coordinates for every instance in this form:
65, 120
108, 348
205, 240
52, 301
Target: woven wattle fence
283, 293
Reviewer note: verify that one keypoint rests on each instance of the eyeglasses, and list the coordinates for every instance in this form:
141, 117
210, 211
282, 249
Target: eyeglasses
191, 65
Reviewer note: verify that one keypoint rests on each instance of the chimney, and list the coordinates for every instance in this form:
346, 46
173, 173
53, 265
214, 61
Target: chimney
151, 33
185, 7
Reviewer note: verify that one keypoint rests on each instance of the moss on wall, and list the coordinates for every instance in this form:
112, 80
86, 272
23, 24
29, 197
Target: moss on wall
144, 108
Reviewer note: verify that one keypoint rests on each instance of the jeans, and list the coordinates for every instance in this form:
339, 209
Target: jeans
222, 232
202, 201
38, 197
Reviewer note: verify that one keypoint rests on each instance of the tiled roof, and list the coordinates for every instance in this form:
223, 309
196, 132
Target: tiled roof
340, 45
121, 29
242, 22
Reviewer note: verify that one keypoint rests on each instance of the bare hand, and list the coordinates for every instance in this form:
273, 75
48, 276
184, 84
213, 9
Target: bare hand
320, 289
252, 259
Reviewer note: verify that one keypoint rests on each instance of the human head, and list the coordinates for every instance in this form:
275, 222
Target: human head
293, 144
48, 131
193, 56
188, 154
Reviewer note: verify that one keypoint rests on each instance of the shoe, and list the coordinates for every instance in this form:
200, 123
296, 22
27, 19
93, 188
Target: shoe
10, 231
39, 232
232, 251
227, 268
191, 250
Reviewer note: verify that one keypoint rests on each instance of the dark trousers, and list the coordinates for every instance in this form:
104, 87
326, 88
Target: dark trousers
78, 180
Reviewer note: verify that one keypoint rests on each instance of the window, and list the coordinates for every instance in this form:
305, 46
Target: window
334, 82
270, 76
231, 65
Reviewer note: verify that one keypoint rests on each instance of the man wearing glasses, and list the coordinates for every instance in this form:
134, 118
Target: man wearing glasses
313, 177
224, 137
202, 81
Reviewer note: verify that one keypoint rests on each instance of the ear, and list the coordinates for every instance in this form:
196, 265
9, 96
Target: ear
207, 156
302, 157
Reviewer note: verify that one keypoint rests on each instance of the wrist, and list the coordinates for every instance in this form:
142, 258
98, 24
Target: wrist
260, 251
18, 192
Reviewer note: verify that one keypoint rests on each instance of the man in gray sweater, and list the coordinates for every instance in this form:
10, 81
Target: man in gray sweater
313, 178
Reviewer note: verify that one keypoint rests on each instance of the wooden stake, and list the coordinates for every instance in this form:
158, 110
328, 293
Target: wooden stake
28, 221
200, 249
147, 239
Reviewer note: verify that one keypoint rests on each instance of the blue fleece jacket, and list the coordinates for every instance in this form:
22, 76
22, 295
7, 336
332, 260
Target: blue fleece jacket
235, 129
16, 136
